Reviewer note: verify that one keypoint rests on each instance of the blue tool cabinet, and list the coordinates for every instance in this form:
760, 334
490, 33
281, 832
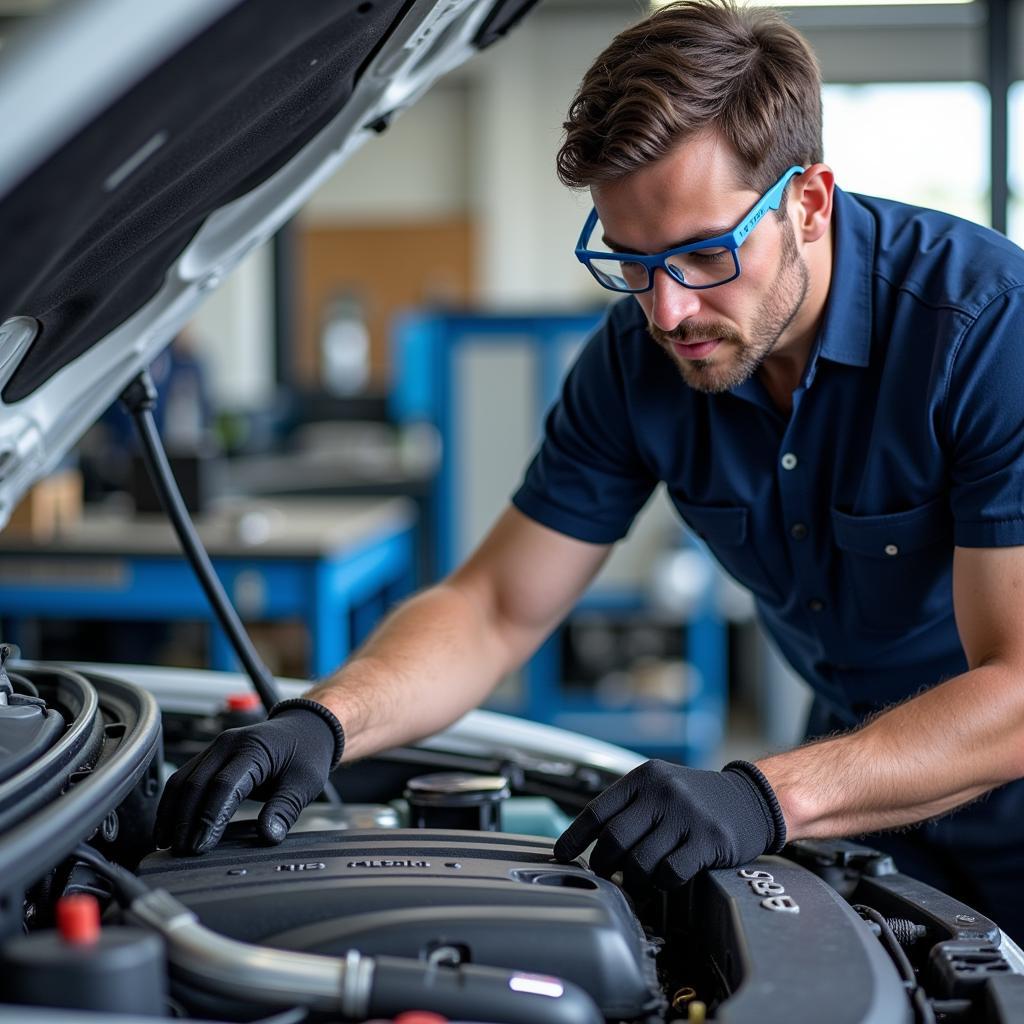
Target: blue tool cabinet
485, 382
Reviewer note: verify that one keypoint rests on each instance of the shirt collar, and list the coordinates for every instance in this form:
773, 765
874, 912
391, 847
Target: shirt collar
845, 335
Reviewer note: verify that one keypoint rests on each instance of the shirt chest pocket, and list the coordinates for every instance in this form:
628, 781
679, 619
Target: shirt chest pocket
898, 565
726, 531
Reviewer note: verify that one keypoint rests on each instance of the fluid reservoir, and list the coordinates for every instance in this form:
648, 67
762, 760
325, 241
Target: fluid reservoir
456, 800
114, 970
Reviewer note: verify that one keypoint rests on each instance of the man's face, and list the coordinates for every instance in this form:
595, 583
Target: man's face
717, 337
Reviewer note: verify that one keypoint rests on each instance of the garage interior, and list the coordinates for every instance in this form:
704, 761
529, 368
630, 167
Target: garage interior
354, 403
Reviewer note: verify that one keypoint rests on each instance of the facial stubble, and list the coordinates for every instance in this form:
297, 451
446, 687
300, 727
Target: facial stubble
776, 313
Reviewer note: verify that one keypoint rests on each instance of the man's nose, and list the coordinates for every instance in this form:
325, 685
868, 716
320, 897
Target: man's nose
671, 303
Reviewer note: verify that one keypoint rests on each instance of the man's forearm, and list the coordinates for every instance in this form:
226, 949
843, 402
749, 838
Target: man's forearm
922, 758
432, 660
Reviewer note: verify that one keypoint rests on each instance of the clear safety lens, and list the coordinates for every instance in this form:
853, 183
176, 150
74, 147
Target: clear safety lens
621, 275
704, 266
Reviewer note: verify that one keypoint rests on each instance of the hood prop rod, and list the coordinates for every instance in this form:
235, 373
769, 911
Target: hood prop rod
139, 399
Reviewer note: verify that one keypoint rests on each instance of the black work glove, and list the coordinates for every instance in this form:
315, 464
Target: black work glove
662, 823
284, 761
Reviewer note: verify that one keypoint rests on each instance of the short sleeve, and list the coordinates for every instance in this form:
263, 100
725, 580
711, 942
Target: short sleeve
985, 426
588, 480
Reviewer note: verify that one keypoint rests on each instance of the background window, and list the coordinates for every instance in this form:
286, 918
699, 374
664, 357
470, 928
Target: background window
922, 143
1015, 215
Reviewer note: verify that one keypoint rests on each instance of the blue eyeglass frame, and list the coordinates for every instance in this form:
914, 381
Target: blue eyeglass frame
732, 240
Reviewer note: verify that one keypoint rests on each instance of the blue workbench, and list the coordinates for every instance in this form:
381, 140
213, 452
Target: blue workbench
336, 565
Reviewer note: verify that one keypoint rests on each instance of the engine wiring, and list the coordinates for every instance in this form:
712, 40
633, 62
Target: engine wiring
923, 1011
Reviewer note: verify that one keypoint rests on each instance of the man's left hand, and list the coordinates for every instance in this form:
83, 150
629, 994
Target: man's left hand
663, 823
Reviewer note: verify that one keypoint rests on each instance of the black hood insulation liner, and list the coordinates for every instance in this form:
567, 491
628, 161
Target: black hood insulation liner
93, 246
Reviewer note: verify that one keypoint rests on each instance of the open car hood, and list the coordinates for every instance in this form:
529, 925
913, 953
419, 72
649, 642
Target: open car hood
149, 147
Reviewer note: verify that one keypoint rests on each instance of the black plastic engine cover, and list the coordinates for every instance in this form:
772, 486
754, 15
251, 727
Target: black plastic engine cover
792, 951
493, 899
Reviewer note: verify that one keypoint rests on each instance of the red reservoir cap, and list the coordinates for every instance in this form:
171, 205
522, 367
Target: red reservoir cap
420, 1017
243, 701
78, 919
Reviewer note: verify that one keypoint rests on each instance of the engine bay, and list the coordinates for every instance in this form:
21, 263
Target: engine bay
431, 887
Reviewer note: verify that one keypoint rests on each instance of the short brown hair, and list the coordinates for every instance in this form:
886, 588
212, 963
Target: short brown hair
691, 66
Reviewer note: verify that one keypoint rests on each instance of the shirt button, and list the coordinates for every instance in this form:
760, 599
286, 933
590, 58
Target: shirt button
891, 549
816, 605
798, 531
789, 461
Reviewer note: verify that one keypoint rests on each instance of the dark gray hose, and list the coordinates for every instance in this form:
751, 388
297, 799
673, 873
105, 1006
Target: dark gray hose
358, 986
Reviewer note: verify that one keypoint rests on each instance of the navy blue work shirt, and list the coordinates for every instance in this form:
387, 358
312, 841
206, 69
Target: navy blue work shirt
906, 438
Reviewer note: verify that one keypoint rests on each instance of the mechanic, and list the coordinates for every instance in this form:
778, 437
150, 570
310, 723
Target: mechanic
832, 388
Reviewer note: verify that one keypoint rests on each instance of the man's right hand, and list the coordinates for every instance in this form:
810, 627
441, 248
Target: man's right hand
284, 761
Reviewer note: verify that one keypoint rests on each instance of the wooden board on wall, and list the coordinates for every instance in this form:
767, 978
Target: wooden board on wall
387, 268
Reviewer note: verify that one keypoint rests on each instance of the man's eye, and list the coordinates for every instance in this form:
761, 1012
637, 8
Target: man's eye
716, 255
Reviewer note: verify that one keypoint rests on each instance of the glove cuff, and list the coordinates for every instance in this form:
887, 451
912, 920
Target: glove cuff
764, 789
325, 714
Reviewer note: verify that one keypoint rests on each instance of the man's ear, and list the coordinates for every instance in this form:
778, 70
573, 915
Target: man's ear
811, 198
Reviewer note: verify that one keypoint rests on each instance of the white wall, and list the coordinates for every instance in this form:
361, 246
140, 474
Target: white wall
529, 221
234, 330
483, 141
418, 168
